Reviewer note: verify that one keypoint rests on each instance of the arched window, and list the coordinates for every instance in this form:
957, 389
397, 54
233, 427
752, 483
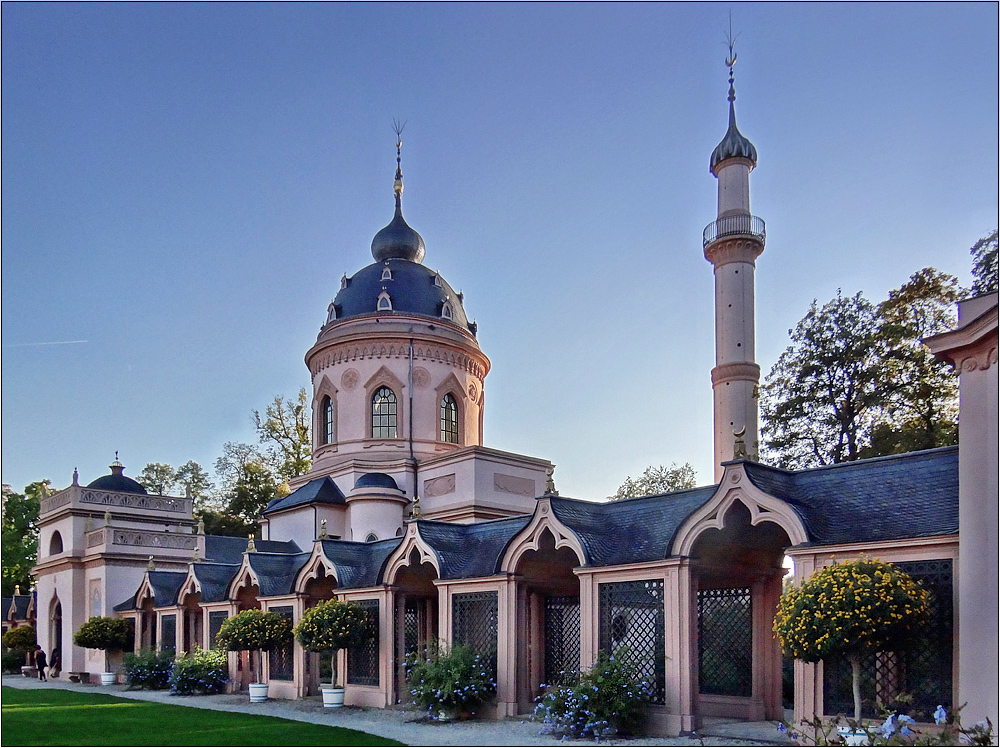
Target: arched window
446, 311
384, 414
384, 303
386, 274
372, 537
326, 408
55, 544
449, 419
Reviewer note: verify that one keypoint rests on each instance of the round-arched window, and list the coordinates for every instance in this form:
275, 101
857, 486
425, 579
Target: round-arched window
326, 408
449, 419
384, 414
55, 544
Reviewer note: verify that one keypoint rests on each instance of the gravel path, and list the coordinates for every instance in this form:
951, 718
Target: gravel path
397, 724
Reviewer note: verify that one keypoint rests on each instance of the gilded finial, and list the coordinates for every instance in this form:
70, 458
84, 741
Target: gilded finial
415, 511
322, 530
151, 566
251, 547
739, 446
397, 186
17, 589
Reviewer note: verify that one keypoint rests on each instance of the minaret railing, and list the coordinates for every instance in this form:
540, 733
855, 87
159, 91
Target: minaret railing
738, 224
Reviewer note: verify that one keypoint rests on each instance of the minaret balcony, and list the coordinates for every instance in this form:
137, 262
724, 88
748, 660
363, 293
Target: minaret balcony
737, 225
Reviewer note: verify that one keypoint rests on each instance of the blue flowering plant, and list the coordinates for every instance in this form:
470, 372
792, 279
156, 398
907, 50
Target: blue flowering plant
200, 672
895, 729
609, 699
148, 670
450, 683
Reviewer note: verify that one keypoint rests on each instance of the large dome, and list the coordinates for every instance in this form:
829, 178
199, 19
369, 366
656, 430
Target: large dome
399, 287
117, 481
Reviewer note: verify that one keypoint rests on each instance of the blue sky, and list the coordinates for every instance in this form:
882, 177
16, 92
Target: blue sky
184, 184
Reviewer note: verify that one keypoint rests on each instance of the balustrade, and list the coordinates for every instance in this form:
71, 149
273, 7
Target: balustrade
739, 224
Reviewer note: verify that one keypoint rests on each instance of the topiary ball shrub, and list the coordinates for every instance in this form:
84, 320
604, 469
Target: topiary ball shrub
200, 672
148, 670
21, 638
851, 609
609, 699
450, 683
331, 626
253, 631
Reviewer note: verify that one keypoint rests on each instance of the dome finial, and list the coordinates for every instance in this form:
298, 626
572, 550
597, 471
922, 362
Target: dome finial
398, 241
734, 144
397, 186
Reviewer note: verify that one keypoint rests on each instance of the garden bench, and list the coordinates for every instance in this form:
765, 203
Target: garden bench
79, 677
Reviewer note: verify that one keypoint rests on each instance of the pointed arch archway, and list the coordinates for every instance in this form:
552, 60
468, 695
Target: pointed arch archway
56, 632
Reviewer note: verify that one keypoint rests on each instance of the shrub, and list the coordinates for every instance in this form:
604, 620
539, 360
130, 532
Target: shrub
200, 672
104, 633
331, 626
148, 670
897, 729
12, 660
254, 630
850, 609
608, 699
450, 682
21, 638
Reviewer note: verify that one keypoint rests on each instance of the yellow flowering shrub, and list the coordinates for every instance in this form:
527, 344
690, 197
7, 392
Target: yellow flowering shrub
333, 625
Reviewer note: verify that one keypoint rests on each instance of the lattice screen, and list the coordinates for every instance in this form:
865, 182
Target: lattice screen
411, 625
168, 633
215, 620
474, 621
281, 661
562, 637
922, 670
725, 643
631, 616
362, 661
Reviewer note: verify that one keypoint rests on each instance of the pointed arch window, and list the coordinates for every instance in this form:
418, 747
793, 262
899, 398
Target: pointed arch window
384, 303
386, 274
326, 410
384, 414
371, 537
446, 312
449, 419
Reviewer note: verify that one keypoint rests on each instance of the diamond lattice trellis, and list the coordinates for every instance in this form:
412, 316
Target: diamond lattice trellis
362, 661
725, 644
631, 620
562, 637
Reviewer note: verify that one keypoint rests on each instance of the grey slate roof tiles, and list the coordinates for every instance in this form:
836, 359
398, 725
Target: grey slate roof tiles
470, 551
359, 564
215, 580
227, 550
166, 585
20, 605
276, 572
318, 491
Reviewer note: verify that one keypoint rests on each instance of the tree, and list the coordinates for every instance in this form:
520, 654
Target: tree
195, 482
823, 396
20, 535
922, 411
21, 638
850, 610
105, 633
254, 630
286, 428
220, 523
248, 481
655, 480
157, 477
984, 265
331, 626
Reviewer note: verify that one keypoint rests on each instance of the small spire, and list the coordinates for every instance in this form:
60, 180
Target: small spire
197, 555
415, 511
201, 525
739, 445
251, 547
397, 186
151, 565
116, 466
76, 477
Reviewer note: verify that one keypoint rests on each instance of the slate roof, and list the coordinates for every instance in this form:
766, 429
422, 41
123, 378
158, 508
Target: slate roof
276, 572
629, 530
20, 604
359, 564
226, 550
5, 604
215, 580
318, 491
469, 551
912, 495
126, 605
166, 585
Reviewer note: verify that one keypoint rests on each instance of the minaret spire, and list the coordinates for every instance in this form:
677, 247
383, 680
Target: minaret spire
397, 186
732, 244
398, 241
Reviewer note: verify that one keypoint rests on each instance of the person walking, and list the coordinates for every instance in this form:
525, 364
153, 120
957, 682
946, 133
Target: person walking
40, 662
56, 664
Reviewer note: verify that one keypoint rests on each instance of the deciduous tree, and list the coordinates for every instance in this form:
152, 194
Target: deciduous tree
984, 265
20, 535
248, 481
656, 480
195, 482
157, 477
285, 428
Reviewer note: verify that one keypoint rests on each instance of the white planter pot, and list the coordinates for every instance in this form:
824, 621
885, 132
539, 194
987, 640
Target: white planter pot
853, 737
333, 696
107, 679
258, 693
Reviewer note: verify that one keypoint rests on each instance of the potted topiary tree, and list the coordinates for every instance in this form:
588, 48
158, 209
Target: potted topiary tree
254, 631
850, 609
107, 634
329, 627
22, 639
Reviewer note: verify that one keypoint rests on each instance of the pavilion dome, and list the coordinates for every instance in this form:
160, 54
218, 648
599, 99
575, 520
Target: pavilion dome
117, 481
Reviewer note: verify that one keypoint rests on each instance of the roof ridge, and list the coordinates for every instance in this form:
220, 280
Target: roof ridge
865, 461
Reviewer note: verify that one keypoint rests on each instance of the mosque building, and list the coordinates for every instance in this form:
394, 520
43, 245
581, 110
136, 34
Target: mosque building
440, 537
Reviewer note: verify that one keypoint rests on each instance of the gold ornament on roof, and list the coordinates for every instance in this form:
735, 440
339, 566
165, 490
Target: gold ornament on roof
251, 547
739, 446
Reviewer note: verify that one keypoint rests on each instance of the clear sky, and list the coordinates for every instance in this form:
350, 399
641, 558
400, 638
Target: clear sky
184, 185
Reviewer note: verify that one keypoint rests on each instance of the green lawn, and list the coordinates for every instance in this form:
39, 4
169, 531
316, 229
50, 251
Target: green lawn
56, 717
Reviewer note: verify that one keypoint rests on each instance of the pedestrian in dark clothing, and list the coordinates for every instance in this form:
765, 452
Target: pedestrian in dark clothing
40, 662
56, 665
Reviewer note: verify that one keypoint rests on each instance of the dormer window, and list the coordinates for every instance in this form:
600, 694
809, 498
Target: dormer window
446, 311
371, 537
331, 313
437, 279
343, 282
384, 303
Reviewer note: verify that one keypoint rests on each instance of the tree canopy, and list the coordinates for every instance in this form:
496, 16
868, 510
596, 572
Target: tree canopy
20, 535
158, 478
195, 481
984, 265
655, 480
285, 428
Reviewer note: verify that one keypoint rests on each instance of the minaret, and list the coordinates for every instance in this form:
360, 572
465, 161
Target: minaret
732, 244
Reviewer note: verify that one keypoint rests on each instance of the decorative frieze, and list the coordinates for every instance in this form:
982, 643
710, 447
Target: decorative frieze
136, 501
145, 539
51, 503
513, 484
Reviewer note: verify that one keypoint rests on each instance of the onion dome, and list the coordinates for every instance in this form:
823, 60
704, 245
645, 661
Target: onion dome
117, 481
398, 241
734, 144
376, 480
